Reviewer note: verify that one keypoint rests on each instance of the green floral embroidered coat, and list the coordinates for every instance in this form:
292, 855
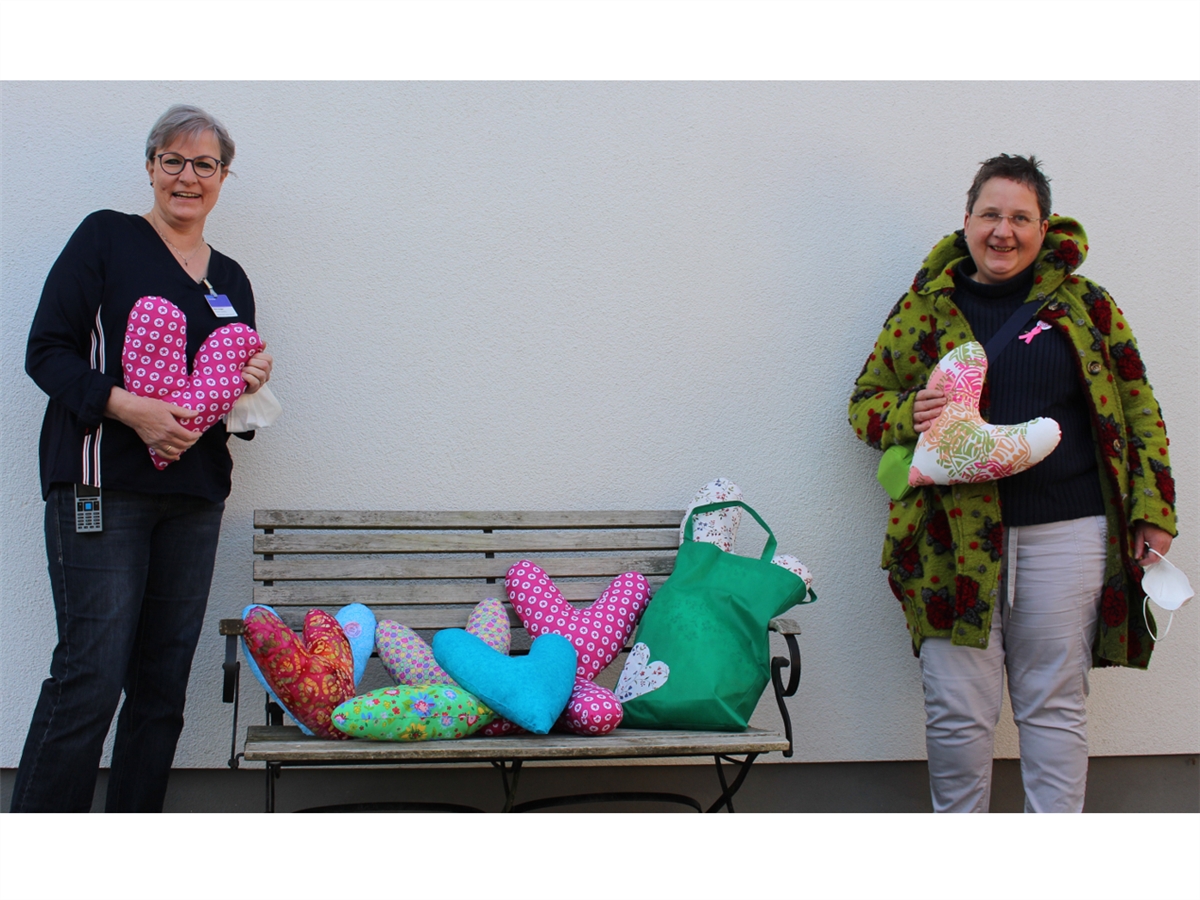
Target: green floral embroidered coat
944, 544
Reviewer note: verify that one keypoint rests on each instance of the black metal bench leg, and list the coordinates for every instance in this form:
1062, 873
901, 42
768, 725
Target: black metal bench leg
510, 790
274, 770
231, 693
728, 790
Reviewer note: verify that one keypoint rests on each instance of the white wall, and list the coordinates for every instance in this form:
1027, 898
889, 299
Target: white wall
602, 295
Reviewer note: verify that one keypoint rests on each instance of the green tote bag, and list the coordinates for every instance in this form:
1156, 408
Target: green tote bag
708, 625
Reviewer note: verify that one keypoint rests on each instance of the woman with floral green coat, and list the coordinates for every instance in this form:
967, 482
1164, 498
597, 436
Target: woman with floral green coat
1079, 523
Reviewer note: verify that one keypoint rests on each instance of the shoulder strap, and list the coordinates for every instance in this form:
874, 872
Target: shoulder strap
1009, 329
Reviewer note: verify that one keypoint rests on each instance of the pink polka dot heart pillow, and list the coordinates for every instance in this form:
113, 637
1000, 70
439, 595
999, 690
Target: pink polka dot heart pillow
597, 632
155, 363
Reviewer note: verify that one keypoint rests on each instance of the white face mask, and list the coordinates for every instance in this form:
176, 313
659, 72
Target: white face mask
1168, 587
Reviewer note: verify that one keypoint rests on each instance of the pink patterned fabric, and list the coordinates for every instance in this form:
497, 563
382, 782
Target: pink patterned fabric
310, 676
597, 632
592, 709
155, 363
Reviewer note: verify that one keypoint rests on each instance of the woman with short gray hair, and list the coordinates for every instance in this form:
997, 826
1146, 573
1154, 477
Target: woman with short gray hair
1036, 575
131, 536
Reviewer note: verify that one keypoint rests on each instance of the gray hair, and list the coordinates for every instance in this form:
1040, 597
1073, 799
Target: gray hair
181, 119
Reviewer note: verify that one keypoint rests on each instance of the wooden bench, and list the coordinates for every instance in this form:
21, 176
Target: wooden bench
427, 570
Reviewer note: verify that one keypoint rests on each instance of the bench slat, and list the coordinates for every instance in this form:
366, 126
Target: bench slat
417, 617
285, 744
339, 594
435, 542
338, 569
323, 518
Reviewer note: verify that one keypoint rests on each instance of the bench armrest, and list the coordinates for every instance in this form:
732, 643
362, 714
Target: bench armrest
779, 625
789, 629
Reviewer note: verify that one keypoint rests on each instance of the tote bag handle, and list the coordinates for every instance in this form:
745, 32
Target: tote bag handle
768, 551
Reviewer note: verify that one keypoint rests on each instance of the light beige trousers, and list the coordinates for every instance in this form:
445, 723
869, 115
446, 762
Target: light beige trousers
1042, 637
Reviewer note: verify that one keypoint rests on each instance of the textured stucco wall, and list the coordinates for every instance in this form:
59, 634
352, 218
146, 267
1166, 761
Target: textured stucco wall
540, 295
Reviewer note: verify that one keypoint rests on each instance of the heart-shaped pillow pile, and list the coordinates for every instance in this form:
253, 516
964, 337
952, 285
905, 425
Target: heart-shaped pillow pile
358, 624
597, 632
311, 674
155, 363
410, 661
530, 690
959, 447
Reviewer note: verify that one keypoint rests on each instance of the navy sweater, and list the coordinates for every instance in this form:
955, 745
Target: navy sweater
1027, 380
74, 355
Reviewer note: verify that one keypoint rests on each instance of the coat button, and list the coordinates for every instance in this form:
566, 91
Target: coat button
1094, 367
1117, 444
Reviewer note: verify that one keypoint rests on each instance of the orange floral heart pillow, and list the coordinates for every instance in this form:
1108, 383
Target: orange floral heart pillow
310, 673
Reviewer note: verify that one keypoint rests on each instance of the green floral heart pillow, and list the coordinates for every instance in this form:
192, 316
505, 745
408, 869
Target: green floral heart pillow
421, 712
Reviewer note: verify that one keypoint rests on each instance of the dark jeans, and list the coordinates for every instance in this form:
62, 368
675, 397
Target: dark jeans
129, 602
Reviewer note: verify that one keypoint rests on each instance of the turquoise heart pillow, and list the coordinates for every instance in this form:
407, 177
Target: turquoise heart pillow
422, 712
530, 690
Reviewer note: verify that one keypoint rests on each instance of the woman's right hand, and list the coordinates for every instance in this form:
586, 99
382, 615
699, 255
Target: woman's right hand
155, 421
927, 407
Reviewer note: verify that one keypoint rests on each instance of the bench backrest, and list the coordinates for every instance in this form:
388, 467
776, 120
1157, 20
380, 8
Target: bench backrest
427, 570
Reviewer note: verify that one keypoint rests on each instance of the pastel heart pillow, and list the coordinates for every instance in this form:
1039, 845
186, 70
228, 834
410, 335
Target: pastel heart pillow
358, 624
409, 660
530, 690
793, 565
311, 674
719, 526
598, 631
640, 675
959, 447
155, 363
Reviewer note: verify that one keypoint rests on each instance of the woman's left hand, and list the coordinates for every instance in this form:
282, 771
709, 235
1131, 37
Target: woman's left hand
257, 370
1144, 533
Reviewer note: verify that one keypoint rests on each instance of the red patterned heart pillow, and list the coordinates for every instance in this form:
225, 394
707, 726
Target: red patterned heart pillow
310, 675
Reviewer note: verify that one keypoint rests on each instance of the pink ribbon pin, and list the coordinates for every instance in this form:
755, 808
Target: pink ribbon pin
1033, 332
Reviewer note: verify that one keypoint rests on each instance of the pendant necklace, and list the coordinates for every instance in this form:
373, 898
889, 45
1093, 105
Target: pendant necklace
186, 259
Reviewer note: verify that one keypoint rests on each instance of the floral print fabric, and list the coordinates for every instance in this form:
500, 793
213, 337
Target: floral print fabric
944, 543
423, 712
311, 674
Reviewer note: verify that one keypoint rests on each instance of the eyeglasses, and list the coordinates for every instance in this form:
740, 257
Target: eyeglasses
1017, 221
203, 166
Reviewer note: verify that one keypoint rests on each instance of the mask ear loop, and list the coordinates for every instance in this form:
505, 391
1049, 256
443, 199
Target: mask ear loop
1146, 599
1146, 619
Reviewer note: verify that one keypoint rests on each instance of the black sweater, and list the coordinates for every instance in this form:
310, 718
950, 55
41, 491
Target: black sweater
74, 354
1027, 380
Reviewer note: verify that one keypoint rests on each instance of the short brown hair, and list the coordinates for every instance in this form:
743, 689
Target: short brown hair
1022, 170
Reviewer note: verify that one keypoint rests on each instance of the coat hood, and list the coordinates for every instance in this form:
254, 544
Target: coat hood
1063, 251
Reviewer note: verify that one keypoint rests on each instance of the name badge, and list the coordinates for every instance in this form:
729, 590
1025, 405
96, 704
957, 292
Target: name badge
220, 306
